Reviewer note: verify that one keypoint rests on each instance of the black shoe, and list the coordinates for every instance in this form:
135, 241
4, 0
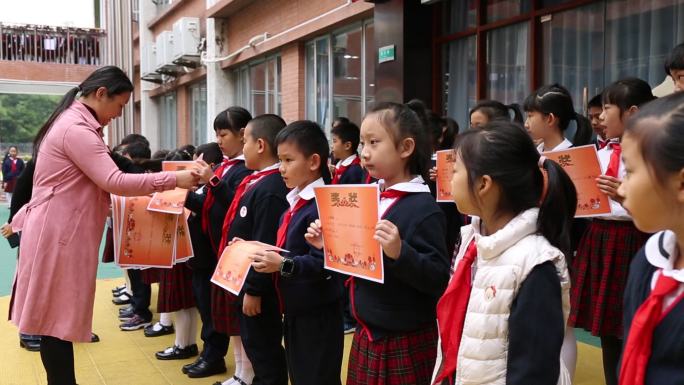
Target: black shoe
187, 367
119, 288
123, 299
126, 315
176, 353
207, 369
94, 337
153, 331
30, 342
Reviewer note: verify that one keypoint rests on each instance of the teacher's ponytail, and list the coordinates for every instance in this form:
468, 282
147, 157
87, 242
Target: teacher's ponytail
113, 78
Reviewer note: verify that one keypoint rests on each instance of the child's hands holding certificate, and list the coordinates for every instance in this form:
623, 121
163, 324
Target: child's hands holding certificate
387, 234
266, 261
314, 235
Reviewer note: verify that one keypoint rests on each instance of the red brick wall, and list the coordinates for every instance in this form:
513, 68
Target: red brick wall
292, 82
183, 136
276, 16
49, 72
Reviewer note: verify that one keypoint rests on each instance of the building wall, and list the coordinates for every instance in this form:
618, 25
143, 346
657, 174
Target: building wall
51, 72
228, 33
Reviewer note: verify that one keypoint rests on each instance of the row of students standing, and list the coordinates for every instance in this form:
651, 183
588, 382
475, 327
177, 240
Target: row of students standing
511, 269
259, 207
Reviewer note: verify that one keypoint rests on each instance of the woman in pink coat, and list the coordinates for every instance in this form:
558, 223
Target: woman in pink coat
62, 225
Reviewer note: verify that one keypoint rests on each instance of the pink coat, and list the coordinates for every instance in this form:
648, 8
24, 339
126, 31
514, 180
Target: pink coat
62, 226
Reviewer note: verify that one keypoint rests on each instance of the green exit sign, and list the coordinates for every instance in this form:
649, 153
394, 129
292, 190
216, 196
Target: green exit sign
386, 53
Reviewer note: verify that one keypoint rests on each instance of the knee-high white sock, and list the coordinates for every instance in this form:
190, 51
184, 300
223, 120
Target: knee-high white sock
569, 351
244, 369
183, 328
165, 319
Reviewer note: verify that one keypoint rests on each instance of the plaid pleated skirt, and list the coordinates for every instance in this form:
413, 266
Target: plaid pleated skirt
150, 276
225, 311
175, 289
599, 273
404, 359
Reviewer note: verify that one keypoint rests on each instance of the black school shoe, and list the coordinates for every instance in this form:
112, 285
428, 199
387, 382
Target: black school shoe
206, 369
187, 367
162, 330
177, 353
119, 288
29, 342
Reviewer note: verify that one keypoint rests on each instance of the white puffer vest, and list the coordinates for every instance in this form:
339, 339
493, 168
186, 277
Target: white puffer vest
504, 260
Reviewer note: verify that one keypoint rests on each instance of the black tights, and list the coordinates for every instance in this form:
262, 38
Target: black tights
611, 348
58, 359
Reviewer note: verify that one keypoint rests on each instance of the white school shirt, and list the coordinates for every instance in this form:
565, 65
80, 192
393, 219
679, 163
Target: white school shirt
269, 168
345, 162
306, 193
417, 184
654, 255
239, 157
564, 145
618, 213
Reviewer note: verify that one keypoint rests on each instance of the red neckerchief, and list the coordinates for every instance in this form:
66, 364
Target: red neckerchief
230, 215
451, 312
638, 347
614, 163
280, 242
210, 198
340, 170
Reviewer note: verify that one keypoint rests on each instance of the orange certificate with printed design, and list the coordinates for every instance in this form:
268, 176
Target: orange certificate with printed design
348, 215
171, 201
233, 266
583, 167
446, 160
183, 250
147, 238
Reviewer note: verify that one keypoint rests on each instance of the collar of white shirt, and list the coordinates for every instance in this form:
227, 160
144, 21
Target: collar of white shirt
346, 162
305, 193
661, 252
417, 184
269, 168
564, 145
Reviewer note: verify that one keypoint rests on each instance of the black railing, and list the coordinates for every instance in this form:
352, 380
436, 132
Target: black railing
45, 44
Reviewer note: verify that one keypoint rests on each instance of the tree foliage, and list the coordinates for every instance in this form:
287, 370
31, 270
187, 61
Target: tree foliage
21, 116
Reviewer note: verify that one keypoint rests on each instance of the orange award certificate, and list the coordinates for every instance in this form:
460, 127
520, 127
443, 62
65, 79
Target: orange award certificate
234, 264
147, 238
171, 201
583, 167
348, 215
183, 242
445, 170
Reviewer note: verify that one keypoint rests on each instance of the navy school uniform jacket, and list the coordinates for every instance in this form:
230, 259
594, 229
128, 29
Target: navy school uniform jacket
223, 196
257, 219
416, 280
353, 175
666, 363
310, 286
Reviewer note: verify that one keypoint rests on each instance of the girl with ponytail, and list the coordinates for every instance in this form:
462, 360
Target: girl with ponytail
62, 224
510, 288
606, 249
549, 113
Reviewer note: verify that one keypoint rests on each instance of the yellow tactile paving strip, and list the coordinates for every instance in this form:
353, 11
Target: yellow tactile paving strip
127, 358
